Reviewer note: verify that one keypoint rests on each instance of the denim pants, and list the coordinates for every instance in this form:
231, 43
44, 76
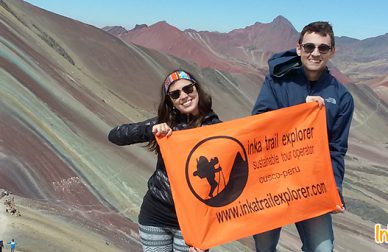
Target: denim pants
316, 235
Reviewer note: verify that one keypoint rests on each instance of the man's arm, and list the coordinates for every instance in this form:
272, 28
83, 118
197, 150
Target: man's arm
338, 140
266, 100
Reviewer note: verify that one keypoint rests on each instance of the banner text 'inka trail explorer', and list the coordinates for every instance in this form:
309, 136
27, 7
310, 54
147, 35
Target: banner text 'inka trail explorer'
250, 175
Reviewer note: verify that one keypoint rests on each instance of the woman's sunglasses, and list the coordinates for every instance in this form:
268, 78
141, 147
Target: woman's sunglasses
310, 47
188, 89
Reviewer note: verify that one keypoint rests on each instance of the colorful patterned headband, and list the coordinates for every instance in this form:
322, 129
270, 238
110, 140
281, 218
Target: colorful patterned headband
177, 75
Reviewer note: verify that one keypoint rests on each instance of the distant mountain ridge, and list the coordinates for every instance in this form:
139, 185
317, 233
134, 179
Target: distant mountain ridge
363, 60
241, 50
247, 49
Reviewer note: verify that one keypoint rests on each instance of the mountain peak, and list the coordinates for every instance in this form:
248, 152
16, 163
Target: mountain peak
163, 26
281, 20
162, 23
115, 30
140, 26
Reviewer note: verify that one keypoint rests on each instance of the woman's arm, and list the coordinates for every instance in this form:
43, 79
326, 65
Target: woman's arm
132, 133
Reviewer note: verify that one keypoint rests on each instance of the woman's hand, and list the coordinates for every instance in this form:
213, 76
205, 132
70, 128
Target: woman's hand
161, 130
319, 99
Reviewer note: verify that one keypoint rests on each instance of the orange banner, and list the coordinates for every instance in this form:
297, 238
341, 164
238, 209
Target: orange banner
250, 175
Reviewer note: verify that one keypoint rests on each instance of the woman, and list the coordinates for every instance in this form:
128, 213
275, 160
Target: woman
184, 104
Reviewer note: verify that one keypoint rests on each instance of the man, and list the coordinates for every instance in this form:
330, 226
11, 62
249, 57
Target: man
299, 76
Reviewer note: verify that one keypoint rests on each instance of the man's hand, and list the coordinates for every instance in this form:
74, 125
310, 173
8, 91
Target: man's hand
340, 209
320, 100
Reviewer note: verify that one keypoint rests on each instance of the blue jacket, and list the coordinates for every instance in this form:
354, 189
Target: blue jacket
287, 85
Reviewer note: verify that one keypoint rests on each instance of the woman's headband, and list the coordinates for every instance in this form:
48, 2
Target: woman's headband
177, 75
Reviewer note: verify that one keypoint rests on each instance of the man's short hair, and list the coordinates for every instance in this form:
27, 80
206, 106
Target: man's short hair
320, 27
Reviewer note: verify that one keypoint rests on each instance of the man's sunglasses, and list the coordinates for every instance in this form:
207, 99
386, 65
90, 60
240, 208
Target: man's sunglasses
188, 89
310, 47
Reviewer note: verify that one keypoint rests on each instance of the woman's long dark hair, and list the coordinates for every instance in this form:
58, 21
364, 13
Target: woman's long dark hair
168, 114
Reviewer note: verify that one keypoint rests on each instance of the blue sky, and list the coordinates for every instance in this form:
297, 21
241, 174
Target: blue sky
352, 18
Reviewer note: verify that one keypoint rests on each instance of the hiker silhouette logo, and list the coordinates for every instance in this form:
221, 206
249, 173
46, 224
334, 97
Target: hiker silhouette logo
217, 175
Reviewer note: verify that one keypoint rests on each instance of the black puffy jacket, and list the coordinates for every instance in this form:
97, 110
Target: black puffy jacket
141, 132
